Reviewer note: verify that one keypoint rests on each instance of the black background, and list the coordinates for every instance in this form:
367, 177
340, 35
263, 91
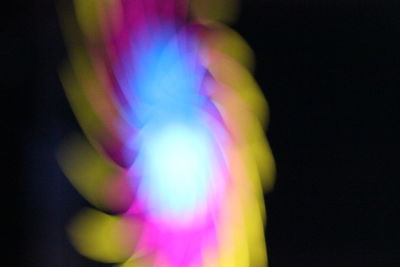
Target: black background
330, 71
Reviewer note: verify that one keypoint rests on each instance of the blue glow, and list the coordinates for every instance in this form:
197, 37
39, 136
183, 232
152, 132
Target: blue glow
164, 78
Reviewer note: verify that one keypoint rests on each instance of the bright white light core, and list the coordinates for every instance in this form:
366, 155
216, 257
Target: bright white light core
176, 162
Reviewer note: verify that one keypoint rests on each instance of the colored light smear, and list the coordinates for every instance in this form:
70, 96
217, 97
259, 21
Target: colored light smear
175, 160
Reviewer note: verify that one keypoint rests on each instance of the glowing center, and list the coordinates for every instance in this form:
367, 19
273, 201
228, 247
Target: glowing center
176, 162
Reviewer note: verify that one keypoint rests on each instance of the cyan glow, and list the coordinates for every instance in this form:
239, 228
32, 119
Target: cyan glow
176, 160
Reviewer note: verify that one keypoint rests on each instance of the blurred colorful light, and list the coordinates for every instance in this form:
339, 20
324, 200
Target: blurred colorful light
177, 148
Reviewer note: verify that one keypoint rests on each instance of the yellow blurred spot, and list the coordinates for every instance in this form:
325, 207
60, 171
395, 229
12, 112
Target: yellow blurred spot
101, 237
87, 13
228, 42
86, 169
225, 11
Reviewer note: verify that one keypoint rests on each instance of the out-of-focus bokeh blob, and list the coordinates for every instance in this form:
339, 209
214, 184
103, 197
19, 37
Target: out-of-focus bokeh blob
175, 161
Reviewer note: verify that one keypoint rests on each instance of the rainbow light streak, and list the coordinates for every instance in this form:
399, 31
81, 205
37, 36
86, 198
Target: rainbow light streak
177, 160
